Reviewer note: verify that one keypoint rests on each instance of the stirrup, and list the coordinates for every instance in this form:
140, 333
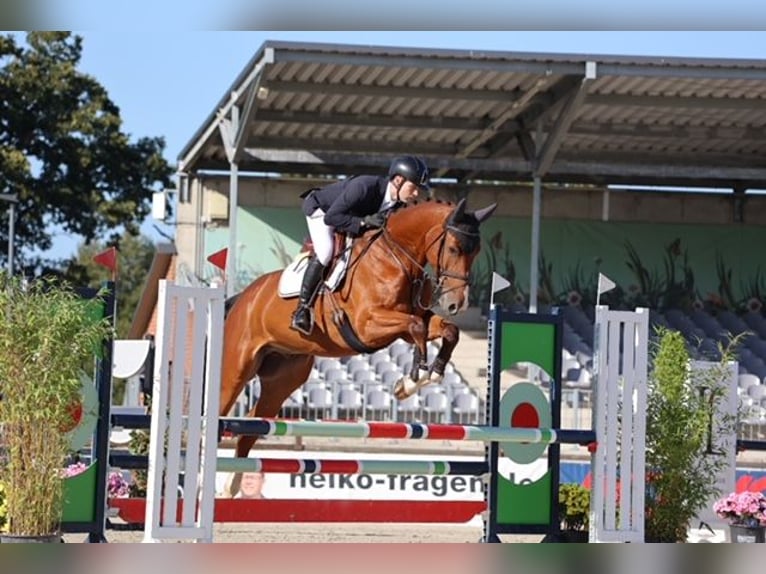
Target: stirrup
295, 326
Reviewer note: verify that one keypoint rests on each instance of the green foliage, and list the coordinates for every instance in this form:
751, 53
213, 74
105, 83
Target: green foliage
63, 150
481, 276
680, 405
46, 335
139, 444
676, 289
574, 506
3, 509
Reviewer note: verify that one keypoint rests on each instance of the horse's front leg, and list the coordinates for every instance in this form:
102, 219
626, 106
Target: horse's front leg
450, 335
422, 374
381, 326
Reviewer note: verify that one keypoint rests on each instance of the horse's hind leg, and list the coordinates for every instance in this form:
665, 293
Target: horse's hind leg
280, 375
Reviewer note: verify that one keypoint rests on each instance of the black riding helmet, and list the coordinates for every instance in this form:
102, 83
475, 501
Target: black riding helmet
412, 169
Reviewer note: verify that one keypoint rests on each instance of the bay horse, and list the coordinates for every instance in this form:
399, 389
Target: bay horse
386, 294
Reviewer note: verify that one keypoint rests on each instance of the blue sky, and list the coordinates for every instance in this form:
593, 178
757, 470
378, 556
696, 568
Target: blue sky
167, 81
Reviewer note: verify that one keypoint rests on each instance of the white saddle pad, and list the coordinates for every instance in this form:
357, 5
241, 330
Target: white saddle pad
292, 275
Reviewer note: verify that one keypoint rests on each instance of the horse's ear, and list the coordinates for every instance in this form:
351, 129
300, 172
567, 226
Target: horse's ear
483, 214
458, 212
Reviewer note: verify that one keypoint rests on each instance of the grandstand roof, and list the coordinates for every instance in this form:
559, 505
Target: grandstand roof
312, 109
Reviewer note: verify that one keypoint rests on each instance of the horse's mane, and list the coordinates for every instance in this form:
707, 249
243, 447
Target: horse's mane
418, 206
467, 227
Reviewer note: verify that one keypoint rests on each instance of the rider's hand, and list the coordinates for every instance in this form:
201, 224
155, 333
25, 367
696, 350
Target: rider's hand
374, 221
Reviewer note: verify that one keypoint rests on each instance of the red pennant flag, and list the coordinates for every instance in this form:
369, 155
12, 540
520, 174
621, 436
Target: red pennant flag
107, 258
219, 258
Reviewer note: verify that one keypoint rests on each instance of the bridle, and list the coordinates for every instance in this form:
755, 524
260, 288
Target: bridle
422, 276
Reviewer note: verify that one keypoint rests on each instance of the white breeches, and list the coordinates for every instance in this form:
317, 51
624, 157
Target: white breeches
322, 236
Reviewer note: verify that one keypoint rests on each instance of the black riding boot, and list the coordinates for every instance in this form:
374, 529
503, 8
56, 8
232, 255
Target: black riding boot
303, 319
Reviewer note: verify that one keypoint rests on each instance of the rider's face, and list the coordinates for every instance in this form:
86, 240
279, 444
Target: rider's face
408, 191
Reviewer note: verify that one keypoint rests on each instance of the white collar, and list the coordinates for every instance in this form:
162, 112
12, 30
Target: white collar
387, 201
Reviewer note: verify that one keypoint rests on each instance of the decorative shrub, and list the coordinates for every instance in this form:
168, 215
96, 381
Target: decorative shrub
574, 506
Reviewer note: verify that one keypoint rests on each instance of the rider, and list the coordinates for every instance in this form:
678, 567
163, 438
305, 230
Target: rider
353, 206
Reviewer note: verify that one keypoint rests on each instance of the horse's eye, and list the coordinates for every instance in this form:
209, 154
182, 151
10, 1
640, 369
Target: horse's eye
453, 250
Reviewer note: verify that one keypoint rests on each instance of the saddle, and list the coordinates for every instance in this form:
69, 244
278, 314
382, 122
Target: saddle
292, 276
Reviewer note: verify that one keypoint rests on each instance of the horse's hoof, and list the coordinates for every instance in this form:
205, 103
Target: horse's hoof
404, 387
434, 378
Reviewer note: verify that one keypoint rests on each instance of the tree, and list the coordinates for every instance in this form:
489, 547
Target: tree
62, 150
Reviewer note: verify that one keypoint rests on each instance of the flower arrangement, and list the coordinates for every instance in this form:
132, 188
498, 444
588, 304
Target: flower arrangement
742, 508
74, 469
116, 485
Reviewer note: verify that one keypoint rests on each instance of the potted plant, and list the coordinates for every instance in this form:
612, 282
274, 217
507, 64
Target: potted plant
574, 512
47, 335
746, 514
681, 403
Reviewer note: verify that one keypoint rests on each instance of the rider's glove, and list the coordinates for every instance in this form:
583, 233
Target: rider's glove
374, 221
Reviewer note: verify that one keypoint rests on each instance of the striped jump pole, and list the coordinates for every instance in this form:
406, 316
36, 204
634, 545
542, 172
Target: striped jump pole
413, 431
331, 466
323, 466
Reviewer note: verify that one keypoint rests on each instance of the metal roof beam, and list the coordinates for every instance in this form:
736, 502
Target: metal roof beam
353, 145
429, 62
392, 91
374, 120
511, 112
696, 102
667, 101
191, 152
519, 62
227, 128
542, 104
500, 122
560, 168
254, 95
565, 118
715, 71
655, 131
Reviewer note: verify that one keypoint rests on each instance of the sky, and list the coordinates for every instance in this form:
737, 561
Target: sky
167, 81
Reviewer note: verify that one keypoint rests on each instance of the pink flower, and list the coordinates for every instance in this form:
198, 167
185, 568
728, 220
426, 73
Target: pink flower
742, 508
74, 469
116, 485
574, 298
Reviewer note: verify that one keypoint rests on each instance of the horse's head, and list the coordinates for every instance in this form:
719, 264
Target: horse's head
458, 246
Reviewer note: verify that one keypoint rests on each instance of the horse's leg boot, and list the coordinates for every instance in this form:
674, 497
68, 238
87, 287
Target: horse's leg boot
303, 320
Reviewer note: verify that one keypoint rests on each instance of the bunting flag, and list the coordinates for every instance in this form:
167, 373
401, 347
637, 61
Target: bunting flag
499, 283
219, 258
108, 259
